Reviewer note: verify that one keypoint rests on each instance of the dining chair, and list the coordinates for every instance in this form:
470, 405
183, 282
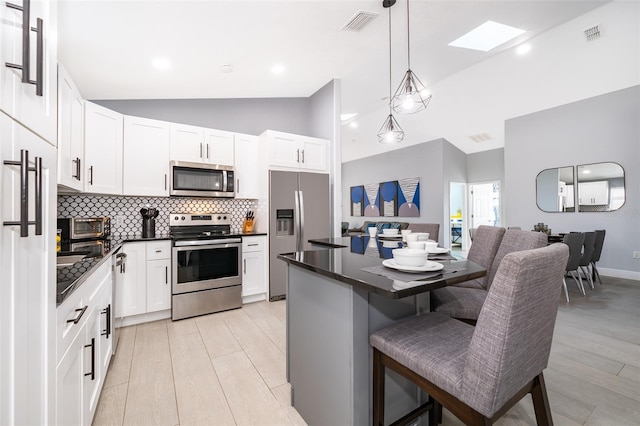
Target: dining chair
574, 241
587, 252
465, 303
472, 233
597, 251
483, 251
478, 373
432, 228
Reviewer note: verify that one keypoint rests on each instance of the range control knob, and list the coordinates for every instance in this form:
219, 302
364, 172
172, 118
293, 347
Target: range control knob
183, 218
219, 217
225, 218
175, 218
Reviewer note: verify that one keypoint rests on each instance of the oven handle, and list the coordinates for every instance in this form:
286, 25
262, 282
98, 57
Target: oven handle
207, 243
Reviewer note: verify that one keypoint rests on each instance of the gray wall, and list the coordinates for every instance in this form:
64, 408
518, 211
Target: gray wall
426, 161
485, 166
603, 128
251, 116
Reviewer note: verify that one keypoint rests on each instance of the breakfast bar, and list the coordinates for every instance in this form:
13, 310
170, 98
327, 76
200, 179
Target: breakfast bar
336, 298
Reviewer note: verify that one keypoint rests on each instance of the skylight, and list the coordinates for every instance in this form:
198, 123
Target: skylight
487, 36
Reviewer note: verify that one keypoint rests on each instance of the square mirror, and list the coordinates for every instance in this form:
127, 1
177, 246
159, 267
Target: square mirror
600, 187
555, 190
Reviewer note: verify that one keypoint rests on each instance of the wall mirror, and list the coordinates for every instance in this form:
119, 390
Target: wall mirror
600, 187
554, 190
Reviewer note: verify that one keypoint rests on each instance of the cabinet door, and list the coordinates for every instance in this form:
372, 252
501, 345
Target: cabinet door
158, 285
593, 193
313, 154
283, 150
18, 99
102, 150
27, 275
146, 157
70, 132
134, 281
253, 273
70, 377
247, 166
187, 143
218, 147
92, 366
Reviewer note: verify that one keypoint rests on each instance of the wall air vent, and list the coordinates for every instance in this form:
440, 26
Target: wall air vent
360, 20
480, 137
593, 33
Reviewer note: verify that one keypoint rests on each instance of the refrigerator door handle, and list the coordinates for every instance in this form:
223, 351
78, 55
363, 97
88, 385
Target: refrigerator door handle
296, 219
301, 220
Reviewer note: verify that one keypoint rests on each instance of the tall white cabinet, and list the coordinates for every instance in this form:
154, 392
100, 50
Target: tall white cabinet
70, 132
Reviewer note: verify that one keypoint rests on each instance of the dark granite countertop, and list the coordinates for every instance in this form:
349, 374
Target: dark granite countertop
351, 254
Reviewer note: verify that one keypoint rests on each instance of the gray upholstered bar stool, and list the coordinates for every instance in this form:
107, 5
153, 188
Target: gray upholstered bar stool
574, 241
479, 372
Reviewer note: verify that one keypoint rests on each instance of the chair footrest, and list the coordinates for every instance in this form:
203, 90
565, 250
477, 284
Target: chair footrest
408, 418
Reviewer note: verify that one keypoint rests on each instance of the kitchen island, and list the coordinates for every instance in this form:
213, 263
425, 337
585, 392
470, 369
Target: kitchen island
333, 305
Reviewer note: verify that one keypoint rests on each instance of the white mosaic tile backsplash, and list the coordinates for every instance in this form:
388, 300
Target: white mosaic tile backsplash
128, 210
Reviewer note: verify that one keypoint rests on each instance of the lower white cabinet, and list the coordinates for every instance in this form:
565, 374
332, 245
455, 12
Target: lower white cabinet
254, 268
147, 278
84, 347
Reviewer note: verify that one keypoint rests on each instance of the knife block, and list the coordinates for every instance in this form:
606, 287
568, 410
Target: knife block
148, 227
247, 226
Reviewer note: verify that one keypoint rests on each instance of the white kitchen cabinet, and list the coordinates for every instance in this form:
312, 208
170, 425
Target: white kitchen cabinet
254, 268
146, 157
247, 166
147, 278
593, 193
27, 277
102, 150
70, 378
200, 145
21, 100
295, 152
70, 132
134, 291
219, 147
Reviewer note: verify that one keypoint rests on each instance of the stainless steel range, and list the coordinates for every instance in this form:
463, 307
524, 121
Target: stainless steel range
206, 260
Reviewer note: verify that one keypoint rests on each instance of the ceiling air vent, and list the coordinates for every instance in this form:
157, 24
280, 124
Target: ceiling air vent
592, 33
480, 137
359, 20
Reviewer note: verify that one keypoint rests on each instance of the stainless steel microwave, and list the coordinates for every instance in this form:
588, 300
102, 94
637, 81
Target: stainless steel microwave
84, 228
201, 180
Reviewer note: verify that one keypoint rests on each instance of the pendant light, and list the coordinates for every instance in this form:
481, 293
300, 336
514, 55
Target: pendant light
411, 95
390, 132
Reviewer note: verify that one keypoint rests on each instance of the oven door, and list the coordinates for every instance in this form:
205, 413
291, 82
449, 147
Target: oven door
202, 265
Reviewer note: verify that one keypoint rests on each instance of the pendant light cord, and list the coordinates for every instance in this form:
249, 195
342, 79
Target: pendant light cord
408, 41
390, 94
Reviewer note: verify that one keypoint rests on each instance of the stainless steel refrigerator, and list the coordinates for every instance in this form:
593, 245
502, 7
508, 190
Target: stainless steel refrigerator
299, 210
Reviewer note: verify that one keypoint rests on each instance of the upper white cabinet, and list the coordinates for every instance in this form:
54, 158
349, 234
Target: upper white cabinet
102, 150
247, 166
593, 193
219, 147
288, 151
146, 157
27, 95
200, 145
70, 132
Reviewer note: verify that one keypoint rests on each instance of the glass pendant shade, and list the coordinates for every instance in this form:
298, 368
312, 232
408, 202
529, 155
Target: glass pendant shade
411, 95
390, 132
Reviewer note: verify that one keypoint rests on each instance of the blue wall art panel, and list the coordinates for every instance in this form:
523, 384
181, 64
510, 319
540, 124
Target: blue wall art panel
357, 201
389, 198
409, 197
371, 192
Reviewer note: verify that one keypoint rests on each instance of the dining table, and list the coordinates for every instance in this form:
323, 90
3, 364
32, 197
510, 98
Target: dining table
337, 295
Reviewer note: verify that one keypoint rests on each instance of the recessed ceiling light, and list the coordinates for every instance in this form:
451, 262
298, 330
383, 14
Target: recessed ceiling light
226, 69
586, 171
353, 124
523, 49
161, 64
487, 36
278, 69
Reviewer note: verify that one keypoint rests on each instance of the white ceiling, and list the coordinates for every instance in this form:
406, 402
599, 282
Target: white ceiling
108, 47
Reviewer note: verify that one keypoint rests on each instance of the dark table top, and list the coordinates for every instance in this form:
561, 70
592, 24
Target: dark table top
347, 257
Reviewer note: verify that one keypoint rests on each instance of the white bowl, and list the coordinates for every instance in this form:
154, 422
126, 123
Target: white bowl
410, 257
419, 245
422, 236
390, 231
430, 245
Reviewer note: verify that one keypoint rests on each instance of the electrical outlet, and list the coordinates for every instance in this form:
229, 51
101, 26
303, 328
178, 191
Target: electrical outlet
636, 254
119, 220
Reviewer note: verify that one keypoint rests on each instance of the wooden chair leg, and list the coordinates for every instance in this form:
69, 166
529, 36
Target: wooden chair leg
378, 389
541, 402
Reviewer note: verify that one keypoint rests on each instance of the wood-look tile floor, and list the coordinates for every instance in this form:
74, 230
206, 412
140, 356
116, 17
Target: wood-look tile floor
229, 368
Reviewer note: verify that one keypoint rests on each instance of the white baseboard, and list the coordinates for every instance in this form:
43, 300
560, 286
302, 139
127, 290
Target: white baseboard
619, 273
254, 298
142, 318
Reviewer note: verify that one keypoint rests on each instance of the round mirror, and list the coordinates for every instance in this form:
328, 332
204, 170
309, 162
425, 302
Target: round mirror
600, 187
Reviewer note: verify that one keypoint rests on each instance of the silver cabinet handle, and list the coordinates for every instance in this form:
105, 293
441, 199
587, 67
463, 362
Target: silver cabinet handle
24, 222
165, 181
237, 185
200, 149
252, 245
297, 155
91, 175
166, 275
245, 265
77, 162
207, 151
303, 155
